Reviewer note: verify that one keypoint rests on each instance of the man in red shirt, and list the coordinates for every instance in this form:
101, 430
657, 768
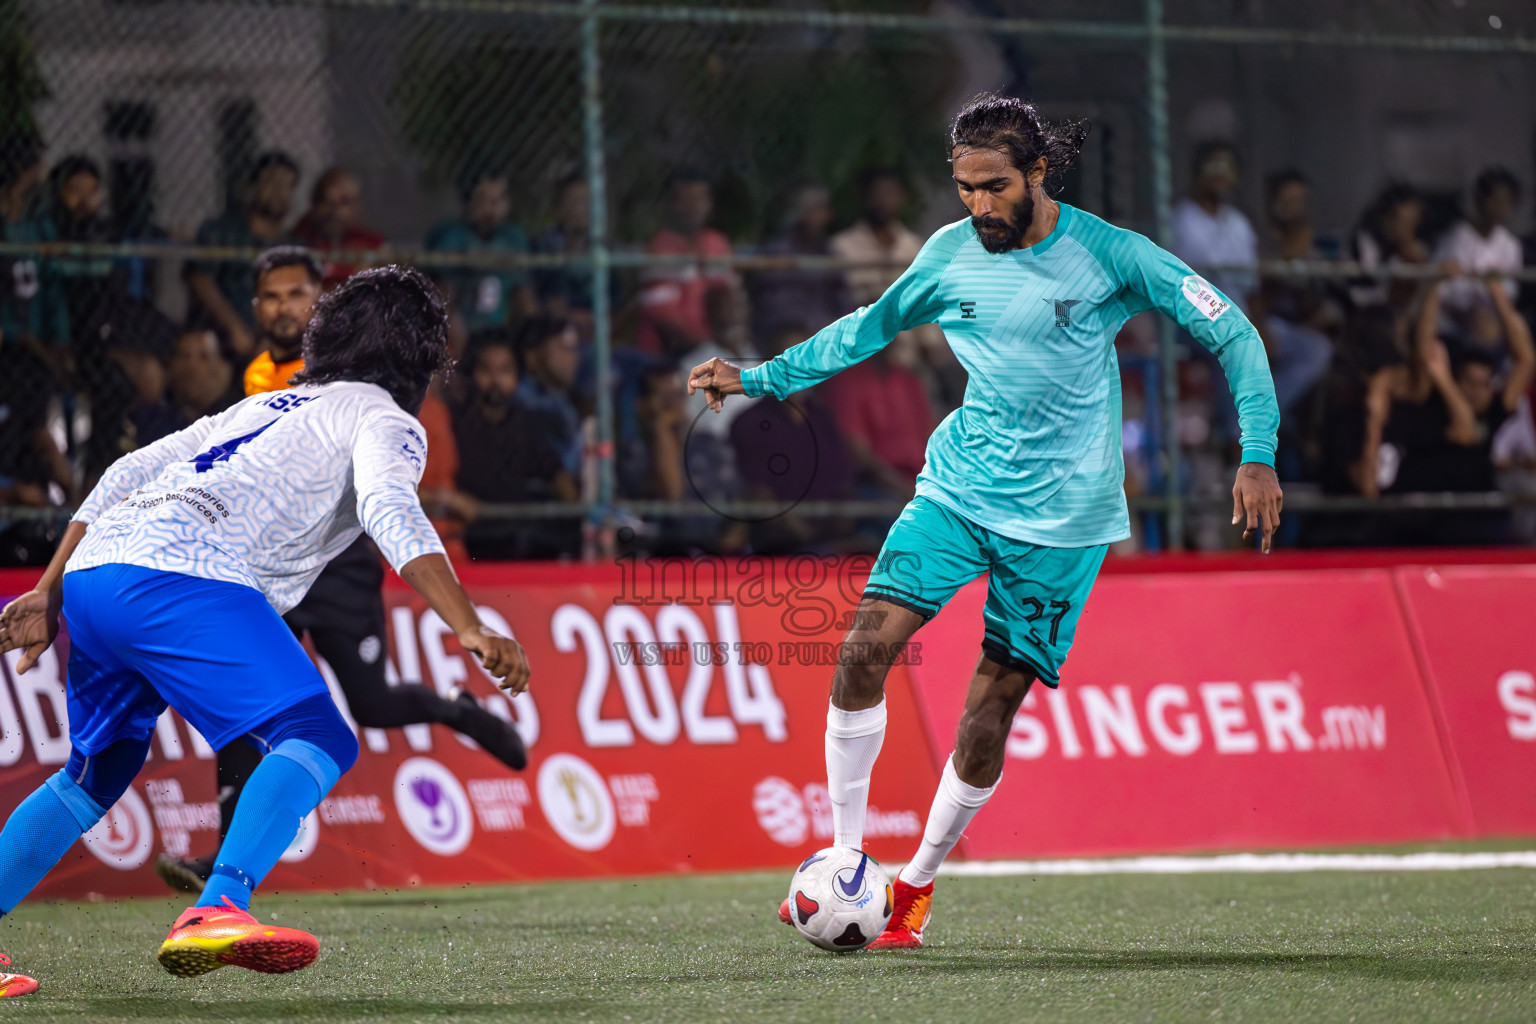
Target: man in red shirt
333, 223
883, 410
672, 318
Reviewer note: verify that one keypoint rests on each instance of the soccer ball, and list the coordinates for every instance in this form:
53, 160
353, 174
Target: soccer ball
840, 899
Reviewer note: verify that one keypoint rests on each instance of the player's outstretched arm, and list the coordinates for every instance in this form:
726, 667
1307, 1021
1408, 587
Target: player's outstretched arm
911, 301
1153, 278
432, 577
388, 454
32, 620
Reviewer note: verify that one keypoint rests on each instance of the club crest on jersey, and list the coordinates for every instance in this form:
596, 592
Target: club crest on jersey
1063, 310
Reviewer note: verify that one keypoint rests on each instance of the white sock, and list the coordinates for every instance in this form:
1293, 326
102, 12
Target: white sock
954, 805
853, 742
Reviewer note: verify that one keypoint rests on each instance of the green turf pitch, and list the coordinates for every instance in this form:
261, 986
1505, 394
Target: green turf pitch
1411, 946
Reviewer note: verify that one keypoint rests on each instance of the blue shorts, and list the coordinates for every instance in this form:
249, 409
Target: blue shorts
1034, 596
140, 639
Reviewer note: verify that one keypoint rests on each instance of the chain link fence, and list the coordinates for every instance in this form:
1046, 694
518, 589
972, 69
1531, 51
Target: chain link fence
609, 192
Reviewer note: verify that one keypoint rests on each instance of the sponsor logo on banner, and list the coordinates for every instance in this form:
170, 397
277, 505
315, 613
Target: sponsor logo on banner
633, 796
433, 806
352, 810
176, 818
780, 811
576, 802
1517, 695
499, 803
125, 837
790, 815
305, 841
1225, 717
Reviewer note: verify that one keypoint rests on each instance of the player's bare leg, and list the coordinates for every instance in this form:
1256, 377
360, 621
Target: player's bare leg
856, 714
970, 777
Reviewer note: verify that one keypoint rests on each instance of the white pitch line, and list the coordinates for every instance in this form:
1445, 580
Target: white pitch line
1243, 862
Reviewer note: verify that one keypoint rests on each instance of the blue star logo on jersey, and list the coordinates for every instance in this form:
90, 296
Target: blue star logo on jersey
1063, 310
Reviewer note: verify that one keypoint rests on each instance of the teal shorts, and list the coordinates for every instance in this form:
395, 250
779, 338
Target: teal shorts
1034, 596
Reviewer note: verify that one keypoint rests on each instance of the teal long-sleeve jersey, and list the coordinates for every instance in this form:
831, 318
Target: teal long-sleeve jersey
1033, 452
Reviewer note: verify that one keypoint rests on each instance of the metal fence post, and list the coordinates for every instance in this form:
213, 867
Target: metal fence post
597, 235
1162, 204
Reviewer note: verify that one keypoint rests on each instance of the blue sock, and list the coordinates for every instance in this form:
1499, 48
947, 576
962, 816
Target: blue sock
39, 831
288, 784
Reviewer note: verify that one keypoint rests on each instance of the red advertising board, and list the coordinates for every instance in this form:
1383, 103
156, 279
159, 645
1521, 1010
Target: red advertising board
664, 737
1211, 711
676, 717
1476, 627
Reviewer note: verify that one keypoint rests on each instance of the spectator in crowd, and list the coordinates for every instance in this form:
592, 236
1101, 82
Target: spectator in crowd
792, 296
31, 462
76, 200
1390, 236
202, 381
729, 315
886, 247
549, 354
1209, 232
484, 298
334, 223
127, 384
1482, 244
660, 460
650, 461
672, 319
288, 282
1373, 366
882, 410
448, 507
567, 291
1295, 315
33, 310
222, 290
1443, 419
505, 455
793, 451
133, 220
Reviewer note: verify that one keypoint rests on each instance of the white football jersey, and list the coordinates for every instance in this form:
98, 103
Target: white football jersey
267, 492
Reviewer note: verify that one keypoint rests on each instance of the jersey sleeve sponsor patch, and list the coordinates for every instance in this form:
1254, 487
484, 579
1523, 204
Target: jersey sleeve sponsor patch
1199, 293
413, 448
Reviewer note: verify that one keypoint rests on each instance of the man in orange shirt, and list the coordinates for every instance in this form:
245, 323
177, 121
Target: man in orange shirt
288, 281
343, 613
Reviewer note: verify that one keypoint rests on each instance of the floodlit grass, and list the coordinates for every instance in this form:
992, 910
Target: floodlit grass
1426, 946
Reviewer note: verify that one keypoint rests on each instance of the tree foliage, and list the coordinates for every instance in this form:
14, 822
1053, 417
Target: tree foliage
21, 80
757, 109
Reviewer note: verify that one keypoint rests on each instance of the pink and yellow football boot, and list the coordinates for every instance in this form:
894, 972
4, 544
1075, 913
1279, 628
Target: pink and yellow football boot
204, 939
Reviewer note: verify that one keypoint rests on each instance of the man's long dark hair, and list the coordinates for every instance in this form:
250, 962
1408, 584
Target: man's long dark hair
386, 326
1011, 126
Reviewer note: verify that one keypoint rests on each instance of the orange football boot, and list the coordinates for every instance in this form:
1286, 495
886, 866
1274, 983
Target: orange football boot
204, 939
15, 984
909, 917
784, 917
